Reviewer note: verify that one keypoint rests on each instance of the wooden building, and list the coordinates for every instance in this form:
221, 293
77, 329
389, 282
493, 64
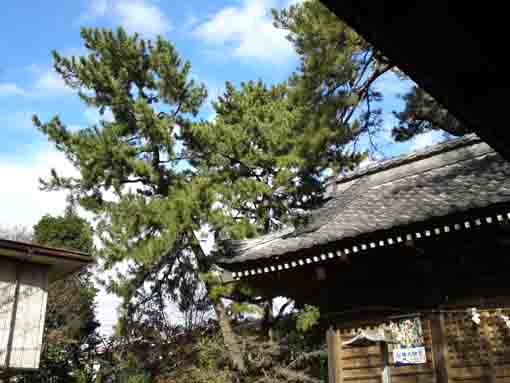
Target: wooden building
423, 236
25, 271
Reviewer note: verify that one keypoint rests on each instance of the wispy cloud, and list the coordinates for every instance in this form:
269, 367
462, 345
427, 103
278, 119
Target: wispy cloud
11, 89
44, 82
246, 31
139, 16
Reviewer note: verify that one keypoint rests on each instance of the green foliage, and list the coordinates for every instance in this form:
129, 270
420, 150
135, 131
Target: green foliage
307, 318
216, 288
140, 378
196, 375
131, 171
83, 375
263, 164
69, 231
323, 367
210, 352
423, 114
145, 86
336, 74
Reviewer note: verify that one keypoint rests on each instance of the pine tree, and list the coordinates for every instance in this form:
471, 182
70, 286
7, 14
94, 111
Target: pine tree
422, 114
154, 175
132, 176
263, 160
130, 170
336, 73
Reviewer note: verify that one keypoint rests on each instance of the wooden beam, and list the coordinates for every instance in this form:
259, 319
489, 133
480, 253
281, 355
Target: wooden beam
439, 348
334, 356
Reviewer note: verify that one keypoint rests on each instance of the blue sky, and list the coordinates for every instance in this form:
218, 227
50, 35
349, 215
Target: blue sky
224, 40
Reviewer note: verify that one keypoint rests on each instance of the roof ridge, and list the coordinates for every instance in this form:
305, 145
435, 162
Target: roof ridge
416, 155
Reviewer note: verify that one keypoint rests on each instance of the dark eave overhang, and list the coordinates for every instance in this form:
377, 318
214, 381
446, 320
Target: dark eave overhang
61, 262
344, 249
451, 49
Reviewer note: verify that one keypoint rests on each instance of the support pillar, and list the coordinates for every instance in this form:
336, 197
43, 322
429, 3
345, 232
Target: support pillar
490, 371
334, 356
439, 348
385, 360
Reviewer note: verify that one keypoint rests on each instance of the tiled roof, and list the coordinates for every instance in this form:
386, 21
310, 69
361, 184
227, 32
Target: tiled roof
449, 178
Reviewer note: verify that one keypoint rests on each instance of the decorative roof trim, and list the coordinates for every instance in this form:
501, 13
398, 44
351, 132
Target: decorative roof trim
362, 246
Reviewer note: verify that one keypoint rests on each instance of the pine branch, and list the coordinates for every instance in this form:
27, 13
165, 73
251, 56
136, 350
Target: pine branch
363, 90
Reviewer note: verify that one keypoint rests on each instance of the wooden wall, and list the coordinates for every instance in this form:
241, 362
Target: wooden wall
472, 352
365, 364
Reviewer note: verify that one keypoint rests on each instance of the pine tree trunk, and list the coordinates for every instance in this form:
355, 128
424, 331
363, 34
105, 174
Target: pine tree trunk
267, 320
229, 338
234, 351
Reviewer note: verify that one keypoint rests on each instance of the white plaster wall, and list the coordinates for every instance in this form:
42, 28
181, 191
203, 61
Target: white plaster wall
30, 313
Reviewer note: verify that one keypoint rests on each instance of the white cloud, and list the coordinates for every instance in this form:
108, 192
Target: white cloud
136, 16
133, 15
107, 305
21, 202
247, 32
11, 89
107, 311
427, 139
49, 82
97, 8
294, 2
44, 81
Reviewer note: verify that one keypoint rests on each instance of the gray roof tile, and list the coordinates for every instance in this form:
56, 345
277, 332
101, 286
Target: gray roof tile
444, 179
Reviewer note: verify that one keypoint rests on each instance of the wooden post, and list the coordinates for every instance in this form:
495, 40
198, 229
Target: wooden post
385, 359
439, 348
486, 332
334, 356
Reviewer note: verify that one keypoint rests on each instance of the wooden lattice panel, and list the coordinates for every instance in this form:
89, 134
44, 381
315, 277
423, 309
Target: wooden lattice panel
478, 351
500, 338
464, 340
